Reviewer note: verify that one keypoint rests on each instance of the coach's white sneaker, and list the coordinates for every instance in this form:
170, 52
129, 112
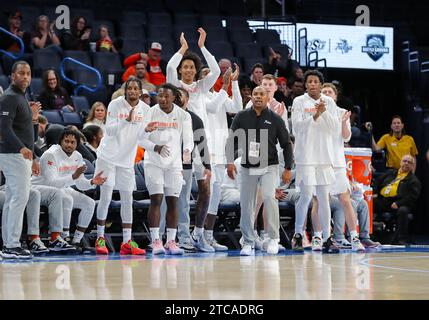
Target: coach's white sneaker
247, 250
273, 246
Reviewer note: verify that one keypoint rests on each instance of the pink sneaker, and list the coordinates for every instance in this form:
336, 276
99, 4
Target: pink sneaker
172, 248
157, 247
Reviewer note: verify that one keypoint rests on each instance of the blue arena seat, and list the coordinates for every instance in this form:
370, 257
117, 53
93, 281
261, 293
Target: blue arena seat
53, 116
72, 118
80, 103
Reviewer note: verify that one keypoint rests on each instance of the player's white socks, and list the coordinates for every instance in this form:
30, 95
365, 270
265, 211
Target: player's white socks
154, 234
65, 234
318, 234
78, 235
208, 234
171, 234
126, 234
353, 234
100, 231
198, 231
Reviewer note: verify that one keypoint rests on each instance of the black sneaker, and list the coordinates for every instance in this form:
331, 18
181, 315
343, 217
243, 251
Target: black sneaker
297, 243
60, 245
16, 253
38, 247
82, 249
330, 247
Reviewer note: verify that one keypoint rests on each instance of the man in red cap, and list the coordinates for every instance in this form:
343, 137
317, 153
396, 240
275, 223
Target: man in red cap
14, 26
155, 65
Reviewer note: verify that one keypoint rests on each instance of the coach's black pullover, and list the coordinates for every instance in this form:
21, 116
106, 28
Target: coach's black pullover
249, 121
16, 126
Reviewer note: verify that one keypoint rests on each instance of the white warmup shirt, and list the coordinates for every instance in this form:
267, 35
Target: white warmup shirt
313, 139
218, 104
172, 129
119, 144
338, 141
197, 90
57, 168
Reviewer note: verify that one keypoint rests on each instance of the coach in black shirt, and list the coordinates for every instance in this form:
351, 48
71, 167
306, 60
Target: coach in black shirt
16, 155
258, 130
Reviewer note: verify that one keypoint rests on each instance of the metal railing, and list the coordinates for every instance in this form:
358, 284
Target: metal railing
77, 85
20, 42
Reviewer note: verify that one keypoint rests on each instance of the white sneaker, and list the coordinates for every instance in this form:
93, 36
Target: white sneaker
316, 244
357, 245
273, 247
217, 246
247, 250
281, 248
258, 240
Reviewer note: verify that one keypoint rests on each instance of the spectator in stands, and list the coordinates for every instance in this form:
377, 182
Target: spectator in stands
224, 64
298, 73
276, 66
130, 64
41, 130
44, 35
283, 90
104, 43
397, 191
245, 90
256, 75
145, 97
155, 65
93, 134
297, 89
361, 134
97, 115
396, 143
77, 38
342, 100
141, 74
54, 96
14, 26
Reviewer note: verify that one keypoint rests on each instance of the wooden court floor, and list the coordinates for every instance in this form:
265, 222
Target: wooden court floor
402, 274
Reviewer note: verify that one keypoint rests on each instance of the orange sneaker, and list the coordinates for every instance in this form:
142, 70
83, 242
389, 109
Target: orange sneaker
131, 247
100, 246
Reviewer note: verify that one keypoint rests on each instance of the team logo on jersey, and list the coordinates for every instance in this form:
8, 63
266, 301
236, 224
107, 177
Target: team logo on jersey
50, 163
375, 46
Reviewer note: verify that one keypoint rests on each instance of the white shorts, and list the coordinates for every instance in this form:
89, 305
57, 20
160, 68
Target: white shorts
163, 181
119, 178
341, 183
314, 175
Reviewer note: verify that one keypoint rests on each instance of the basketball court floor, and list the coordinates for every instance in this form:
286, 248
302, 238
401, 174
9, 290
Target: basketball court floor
391, 273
